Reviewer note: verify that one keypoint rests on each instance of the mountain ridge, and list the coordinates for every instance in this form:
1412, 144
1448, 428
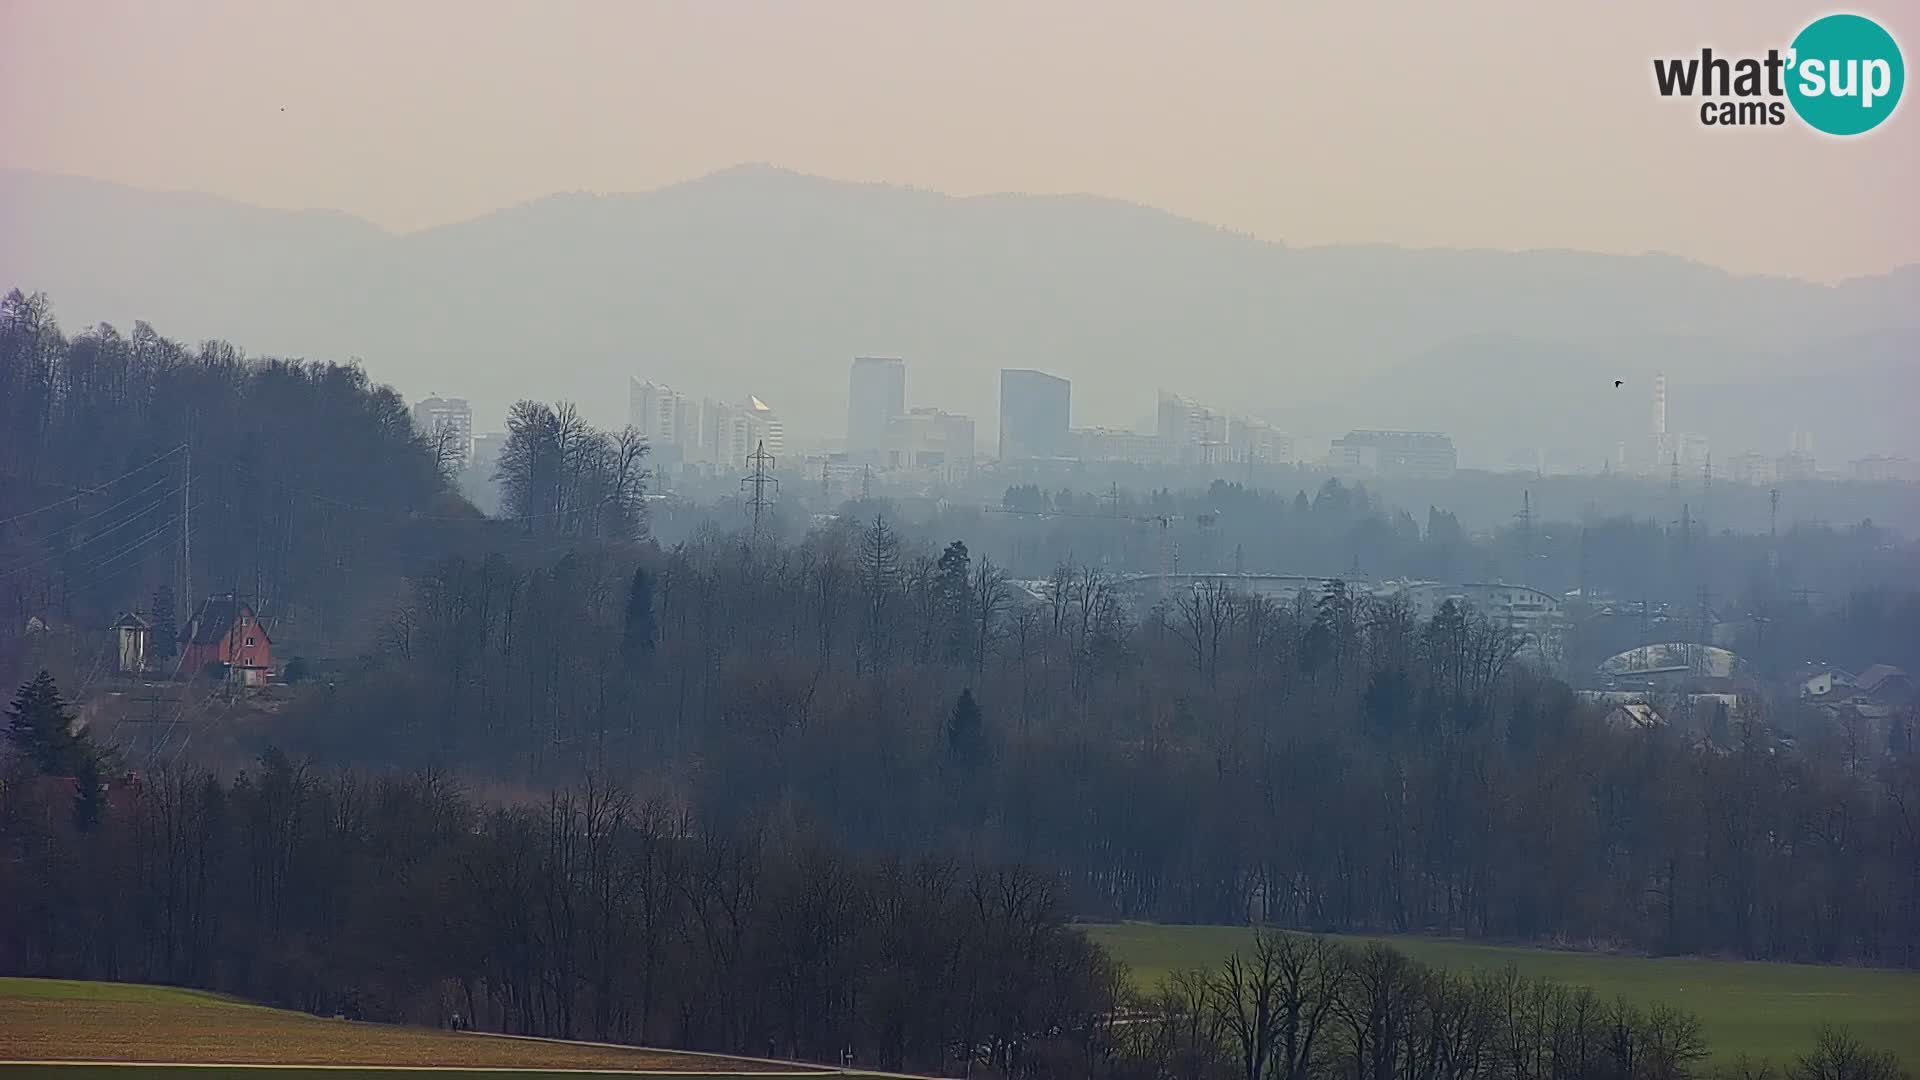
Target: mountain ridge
757, 279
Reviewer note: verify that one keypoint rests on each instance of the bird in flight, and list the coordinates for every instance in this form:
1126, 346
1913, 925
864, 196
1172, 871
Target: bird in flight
1618, 383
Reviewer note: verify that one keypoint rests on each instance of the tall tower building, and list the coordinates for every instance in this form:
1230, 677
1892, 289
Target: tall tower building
453, 415
1035, 408
876, 397
1663, 448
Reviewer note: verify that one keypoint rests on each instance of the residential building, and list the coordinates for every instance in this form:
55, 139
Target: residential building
1258, 442
1415, 454
225, 630
1115, 444
1191, 433
1035, 409
1753, 468
739, 430
662, 415
1886, 470
876, 397
931, 439
454, 417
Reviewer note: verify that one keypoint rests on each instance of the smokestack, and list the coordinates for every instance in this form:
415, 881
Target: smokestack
1660, 404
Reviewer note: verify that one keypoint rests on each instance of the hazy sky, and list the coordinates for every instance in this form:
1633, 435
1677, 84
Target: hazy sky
1515, 123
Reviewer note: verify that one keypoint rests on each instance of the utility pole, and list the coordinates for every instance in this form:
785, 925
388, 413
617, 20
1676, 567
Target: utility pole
1525, 517
758, 482
186, 526
1773, 536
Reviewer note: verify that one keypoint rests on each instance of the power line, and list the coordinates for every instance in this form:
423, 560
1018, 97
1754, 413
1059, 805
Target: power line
106, 560
70, 548
93, 490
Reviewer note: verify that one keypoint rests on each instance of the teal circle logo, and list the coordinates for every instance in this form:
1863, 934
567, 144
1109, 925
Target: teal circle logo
1845, 74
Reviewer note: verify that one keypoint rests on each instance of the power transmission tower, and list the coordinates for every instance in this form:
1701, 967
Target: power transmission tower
758, 482
1673, 478
866, 483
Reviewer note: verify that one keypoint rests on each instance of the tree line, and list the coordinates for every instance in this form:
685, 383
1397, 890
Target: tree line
598, 912
1328, 762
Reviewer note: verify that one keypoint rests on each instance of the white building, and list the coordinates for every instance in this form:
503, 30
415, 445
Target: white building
930, 439
1191, 433
453, 416
1418, 454
733, 432
1115, 444
663, 415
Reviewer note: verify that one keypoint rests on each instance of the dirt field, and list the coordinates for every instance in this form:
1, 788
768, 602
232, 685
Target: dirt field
44, 1028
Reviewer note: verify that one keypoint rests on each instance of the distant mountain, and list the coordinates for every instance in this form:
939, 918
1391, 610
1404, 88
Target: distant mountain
757, 280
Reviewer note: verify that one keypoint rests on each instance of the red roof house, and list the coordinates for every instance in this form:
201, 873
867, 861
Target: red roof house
225, 631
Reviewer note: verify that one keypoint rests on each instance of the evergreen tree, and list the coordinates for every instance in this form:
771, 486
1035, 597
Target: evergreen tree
87, 798
42, 728
640, 630
966, 741
165, 625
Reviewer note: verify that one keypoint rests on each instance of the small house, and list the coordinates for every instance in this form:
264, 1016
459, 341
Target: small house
130, 636
226, 630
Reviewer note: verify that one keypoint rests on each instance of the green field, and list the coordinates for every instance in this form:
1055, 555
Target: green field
140, 993
296, 1073
1760, 1009
124, 1031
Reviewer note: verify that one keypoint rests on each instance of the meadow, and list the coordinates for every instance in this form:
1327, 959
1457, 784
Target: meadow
1763, 1010
178, 1033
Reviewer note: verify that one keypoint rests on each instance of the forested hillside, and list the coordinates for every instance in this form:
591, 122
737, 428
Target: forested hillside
132, 465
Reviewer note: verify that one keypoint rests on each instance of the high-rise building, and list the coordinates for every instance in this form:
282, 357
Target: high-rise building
663, 415
453, 416
876, 397
1035, 408
1191, 433
739, 430
1257, 442
1417, 454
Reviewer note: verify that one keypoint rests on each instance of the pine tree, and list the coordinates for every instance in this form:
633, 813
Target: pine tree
42, 728
640, 631
165, 625
966, 741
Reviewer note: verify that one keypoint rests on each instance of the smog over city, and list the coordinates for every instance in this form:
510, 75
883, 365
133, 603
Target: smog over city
1083, 541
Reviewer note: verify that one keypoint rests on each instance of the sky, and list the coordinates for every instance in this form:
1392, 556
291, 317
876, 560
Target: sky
1489, 123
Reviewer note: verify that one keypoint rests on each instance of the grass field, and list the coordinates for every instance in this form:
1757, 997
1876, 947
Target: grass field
48, 1020
1760, 1009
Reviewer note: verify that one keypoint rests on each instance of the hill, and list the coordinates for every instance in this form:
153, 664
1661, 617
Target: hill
760, 280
